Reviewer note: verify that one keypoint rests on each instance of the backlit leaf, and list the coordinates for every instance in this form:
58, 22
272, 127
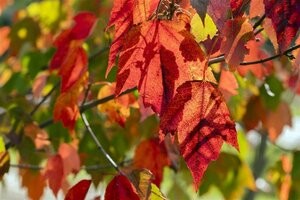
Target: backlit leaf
158, 56
78, 191
34, 182
70, 157
120, 188
285, 16
54, 172
236, 34
4, 159
156, 160
200, 117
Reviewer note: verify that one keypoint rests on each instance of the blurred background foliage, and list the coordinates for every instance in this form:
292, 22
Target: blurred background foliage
266, 164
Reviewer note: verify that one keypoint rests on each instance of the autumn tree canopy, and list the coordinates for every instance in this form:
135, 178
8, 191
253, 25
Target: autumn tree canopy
160, 99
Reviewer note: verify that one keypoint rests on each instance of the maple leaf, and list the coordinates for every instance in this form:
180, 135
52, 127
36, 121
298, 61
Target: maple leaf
157, 158
4, 159
34, 183
237, 32
66, 108
256, 8
54, 172
141, 179
277, 119
71, 160
228, 84
79, 190
255, 112
118, 109
285, 16
201, 7
4, 39
157, 57
38, 136
124, 14
238, 7
256, 52
120, 188
218, 10
200, 118
71, 61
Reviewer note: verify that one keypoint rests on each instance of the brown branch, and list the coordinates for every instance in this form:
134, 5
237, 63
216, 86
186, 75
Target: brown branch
272, 57
221, 58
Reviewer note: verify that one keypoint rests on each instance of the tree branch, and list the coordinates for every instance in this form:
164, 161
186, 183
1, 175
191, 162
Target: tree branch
221, 58
44, 99
90, 105
272, 57
92, 134
259, 22
89, 167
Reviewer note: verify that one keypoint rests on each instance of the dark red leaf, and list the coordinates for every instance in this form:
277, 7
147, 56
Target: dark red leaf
285, 15
199, 117
78, 191
120, 188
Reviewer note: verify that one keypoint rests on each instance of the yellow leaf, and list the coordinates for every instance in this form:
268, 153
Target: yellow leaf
203, 31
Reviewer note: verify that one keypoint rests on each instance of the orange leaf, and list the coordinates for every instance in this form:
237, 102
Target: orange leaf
256, 52
237, 32
78, 191
277, 119
66, 108
228, 84
118, 109
70, 157
157, 57
38, 136
120, 188
54, 173
34, 182
156, 159
199, 117
4, 39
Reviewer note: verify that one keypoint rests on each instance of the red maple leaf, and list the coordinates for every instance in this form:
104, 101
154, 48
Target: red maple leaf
71, 61
199, 117
79, 190
54, 173
157, 57
124, 14
285, 16
120, 188
156, 160
237, 32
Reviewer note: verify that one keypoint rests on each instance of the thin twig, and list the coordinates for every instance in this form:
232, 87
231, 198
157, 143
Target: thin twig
91, 132
221, 58
89, 167
259, 22
90, 105
272, 57
44, 99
